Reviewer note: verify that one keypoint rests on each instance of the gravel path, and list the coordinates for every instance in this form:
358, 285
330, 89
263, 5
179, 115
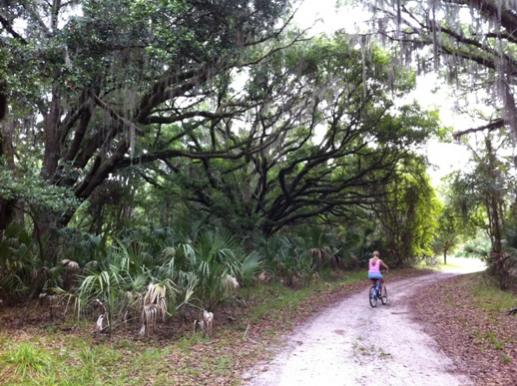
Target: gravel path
354, 344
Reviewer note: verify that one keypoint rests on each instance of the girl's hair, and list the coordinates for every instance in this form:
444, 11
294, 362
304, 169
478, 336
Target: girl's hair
376, 253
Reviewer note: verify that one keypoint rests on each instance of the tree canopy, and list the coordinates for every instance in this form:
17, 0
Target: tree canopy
474, 40
336, 138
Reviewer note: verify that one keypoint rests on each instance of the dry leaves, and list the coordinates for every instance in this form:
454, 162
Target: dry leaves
482, 344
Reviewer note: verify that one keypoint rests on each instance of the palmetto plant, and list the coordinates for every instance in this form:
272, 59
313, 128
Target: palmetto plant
22, 273
201, 272
211, 258
250, 267
320, 242
116, 281
287, 257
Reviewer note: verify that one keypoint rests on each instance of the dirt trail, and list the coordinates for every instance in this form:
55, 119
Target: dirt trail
354, 344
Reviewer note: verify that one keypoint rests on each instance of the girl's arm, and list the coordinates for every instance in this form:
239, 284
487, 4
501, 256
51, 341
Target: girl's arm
385, 266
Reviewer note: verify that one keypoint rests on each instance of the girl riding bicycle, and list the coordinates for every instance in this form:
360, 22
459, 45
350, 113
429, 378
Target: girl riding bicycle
374, 268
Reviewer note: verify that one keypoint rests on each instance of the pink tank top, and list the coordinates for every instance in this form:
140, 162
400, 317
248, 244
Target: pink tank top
374, 266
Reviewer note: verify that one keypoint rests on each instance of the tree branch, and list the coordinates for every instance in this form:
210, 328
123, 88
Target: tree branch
498, 123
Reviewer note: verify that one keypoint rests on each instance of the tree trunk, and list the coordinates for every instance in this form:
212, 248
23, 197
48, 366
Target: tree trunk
3, 101
445, 256
51, 130
7, 206
6, 214
46, 231
494, 210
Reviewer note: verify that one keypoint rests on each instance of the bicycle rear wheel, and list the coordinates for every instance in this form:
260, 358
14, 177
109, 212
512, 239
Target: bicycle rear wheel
384, 295
373, 297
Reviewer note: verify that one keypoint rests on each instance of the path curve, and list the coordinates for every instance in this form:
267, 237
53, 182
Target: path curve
354, 344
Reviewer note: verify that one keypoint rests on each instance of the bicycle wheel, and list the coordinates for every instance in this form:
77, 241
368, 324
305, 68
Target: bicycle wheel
373, 297
384, 295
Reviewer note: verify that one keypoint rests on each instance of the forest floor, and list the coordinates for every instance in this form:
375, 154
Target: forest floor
468, 317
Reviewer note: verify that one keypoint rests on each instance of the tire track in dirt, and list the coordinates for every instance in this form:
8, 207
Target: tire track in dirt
354, 344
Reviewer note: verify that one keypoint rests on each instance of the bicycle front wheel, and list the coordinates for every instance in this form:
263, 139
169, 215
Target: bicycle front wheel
384, 295
373, 297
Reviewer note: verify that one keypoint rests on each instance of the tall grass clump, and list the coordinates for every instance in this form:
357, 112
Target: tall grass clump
27, 360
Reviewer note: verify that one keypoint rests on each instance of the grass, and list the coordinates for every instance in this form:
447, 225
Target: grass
29, 363
185, 343
280, 299
77, 360
490, 298
27, 360
490, 338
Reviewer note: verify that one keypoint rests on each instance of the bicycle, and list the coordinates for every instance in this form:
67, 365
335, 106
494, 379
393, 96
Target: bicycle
377, 294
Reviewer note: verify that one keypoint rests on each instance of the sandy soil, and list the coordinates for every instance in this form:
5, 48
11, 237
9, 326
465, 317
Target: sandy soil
354, 344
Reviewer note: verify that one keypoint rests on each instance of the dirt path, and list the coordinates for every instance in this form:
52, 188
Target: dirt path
353, 344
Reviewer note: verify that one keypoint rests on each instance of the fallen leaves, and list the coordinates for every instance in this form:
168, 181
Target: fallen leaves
483, 344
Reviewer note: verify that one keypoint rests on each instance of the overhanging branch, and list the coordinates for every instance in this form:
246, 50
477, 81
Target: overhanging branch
491, 126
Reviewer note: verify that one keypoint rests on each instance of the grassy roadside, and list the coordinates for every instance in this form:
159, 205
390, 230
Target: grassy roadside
244, 334
467, 315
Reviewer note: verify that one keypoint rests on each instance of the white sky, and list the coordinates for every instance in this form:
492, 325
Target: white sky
324, 16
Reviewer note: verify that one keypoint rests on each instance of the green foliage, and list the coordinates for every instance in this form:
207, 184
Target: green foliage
212, 257
202, 272
482, 196
80, 246
510, 247
89, 74
447, 232
22, 273
286, 258
32, 190
491, 298
282, 142
478, 246
251, 265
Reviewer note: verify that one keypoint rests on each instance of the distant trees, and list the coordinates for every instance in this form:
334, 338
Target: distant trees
447, 232
408, 215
